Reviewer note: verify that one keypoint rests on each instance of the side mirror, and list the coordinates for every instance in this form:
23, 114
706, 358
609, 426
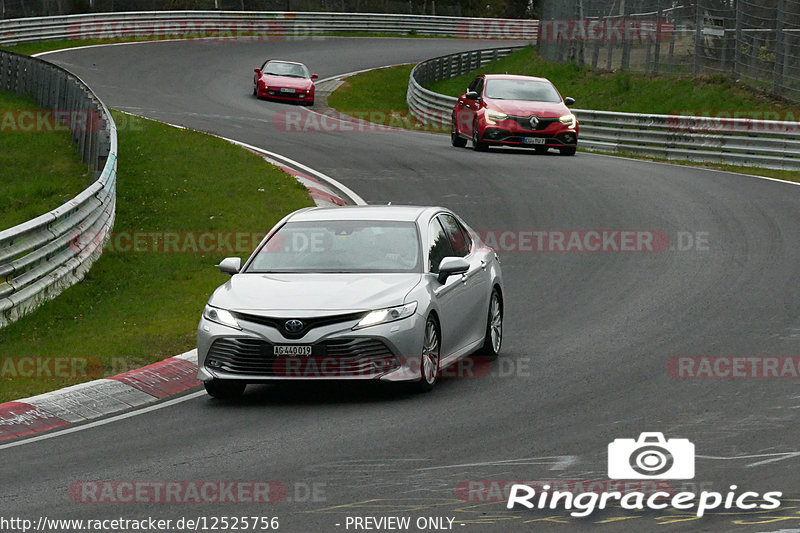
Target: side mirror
314, 76
471, 95
230, 265
569, 100
451, 266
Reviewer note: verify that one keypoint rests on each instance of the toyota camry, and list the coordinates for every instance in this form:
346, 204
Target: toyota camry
387, 293
284, 80
523, 111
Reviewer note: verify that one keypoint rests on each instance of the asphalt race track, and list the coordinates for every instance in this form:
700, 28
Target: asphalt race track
588, 336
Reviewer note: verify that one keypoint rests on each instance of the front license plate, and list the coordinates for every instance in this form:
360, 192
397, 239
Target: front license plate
533, 140
292, 349
286, 90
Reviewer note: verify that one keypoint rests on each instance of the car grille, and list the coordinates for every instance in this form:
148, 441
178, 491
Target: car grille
308, 323
332, 358
525, 122
298, 95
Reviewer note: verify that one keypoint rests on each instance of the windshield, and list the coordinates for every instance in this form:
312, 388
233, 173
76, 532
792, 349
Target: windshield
535, 91
293, 70
340, 246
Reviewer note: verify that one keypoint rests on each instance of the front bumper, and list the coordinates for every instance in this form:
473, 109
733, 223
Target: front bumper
387, 352
516, 131
275, 94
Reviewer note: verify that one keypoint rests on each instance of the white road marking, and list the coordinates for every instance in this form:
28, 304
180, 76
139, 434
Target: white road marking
103, 422
559, 462
775, 457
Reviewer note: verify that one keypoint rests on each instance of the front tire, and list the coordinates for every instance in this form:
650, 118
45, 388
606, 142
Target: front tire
477, 145
455, 139
225, 389
493, 338
570, 150
430, 358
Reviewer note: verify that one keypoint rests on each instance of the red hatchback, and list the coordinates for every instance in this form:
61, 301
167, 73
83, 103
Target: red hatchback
284, 80
524, 111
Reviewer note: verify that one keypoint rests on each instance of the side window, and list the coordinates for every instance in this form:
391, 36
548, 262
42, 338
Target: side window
479, 86
457, 235
438, 246
473, 84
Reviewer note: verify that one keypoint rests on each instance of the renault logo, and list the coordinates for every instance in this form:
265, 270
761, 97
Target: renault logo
293, 326
534, 120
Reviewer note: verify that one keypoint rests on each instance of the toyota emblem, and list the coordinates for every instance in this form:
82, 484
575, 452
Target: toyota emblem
293, 326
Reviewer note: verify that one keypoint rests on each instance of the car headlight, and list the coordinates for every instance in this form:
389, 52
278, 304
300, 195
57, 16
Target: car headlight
390, 314
568, 120
493, 117
220, 316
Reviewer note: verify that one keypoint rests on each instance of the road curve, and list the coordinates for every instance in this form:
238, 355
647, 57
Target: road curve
587, 342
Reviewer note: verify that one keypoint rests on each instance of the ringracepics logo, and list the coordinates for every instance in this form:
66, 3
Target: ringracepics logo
649, 457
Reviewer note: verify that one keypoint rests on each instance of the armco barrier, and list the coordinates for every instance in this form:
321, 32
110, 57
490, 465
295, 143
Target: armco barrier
243, 23
41, 257
731, 141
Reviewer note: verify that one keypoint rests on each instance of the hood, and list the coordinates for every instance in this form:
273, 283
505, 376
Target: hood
294, 294
286, 81
525, 108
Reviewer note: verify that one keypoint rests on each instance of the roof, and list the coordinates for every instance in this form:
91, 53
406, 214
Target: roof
513, 77
408, 213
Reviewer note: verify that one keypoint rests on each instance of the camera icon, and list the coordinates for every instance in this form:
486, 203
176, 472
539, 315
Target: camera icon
651, 457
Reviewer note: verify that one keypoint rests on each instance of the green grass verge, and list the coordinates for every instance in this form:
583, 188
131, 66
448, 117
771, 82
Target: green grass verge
379, 96
39, 170
631, 93
385, 90
136, 308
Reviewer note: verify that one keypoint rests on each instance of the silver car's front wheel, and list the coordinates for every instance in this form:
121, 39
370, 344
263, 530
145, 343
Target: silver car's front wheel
429, 362
493, 339
224, 389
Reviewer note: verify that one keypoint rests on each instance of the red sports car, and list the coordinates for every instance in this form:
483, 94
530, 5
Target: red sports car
503, 109
284, 80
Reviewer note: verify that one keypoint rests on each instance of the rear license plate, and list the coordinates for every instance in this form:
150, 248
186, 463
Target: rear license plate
292, 350
286, 90
533, 140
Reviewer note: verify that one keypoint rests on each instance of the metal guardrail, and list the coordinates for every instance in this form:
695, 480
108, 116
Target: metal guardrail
41, 257
731, 141
263, 23
432, 107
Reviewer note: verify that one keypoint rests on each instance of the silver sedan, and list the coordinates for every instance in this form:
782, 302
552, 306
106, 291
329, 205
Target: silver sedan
390, 293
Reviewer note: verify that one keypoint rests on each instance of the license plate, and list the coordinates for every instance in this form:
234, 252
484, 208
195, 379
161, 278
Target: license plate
533, 140
286, 90
292, 350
